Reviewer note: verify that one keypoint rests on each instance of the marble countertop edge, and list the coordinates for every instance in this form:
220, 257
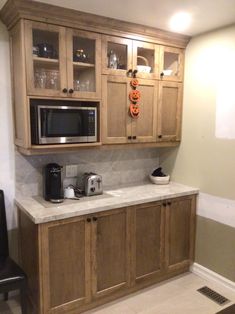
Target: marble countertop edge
117, 198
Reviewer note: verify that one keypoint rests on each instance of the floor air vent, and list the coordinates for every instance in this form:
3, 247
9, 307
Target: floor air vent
211, 294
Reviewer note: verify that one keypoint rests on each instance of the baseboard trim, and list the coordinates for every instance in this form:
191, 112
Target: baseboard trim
206, 273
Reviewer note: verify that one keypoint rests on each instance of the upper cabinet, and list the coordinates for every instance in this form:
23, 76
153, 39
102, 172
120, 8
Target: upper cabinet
63, 55
118, 126
62, 62
169, 111
116, 55
172, 64
122, 56
84, 63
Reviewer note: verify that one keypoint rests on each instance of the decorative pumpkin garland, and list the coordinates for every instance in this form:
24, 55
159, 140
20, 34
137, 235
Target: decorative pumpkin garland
134, 97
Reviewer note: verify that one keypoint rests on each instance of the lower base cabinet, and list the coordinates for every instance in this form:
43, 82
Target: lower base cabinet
148, 244
79, 263
180, 216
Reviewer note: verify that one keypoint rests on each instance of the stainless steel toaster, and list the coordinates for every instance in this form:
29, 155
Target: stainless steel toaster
92, 184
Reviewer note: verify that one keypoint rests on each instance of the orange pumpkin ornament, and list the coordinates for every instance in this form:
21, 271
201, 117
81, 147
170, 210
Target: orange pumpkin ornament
134, 110
134, 95
134, 83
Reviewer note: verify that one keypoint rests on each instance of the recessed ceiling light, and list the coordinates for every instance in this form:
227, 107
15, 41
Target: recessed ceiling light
180, 21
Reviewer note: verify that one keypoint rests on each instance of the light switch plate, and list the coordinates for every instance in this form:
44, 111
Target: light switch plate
71, 171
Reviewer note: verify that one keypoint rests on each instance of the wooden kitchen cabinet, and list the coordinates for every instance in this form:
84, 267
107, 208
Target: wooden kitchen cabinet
169, 111
110, 243
171, 64
122, 47
81, 262
148, 242
53, 68
117, 124
179, 232
65, 265
129, 54
59, 73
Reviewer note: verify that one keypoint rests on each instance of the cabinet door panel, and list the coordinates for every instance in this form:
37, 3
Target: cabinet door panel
144, 127
110, 249
169, 111
171, 64
122, 49
46, 64
148, 241
66, 264
180, 222
83, 63
116, 123
147, 55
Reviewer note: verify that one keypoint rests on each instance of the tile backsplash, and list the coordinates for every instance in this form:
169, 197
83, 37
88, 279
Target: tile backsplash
116, 167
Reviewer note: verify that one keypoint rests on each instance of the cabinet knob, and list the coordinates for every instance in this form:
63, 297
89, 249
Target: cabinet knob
65, 90
88, 220
134, 73
129, 137
162, 74
164, 204
168, 203
134, 137
95, 218
159, 136
71, 91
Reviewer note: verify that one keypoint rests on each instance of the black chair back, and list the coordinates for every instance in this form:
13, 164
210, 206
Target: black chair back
4, 250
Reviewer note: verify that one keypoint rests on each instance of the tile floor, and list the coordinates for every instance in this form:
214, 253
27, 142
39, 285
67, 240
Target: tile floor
175, 296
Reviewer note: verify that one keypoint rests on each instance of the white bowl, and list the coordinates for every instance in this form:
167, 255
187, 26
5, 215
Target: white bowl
167, 72
159, 180
143, 68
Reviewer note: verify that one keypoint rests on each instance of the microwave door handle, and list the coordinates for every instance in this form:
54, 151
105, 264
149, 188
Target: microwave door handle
45, 123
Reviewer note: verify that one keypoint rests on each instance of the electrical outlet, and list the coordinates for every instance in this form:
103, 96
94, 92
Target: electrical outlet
71, 171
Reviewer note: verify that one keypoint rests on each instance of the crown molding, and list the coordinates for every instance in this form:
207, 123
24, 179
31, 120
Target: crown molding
14, 10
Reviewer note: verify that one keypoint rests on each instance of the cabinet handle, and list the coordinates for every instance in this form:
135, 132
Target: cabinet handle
159, 136
65, 90
129, 137
134, 73
71, 90
88, 220
169, 203
134, 137
95, 218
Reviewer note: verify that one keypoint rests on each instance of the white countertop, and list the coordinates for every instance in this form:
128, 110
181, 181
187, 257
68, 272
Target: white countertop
41, 211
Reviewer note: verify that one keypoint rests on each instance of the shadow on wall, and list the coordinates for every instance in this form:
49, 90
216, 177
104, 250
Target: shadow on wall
167, 159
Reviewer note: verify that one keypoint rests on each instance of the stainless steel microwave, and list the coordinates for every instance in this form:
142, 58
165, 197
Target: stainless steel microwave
53, 124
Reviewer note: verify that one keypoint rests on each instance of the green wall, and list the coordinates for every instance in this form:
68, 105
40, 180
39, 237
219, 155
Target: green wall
203, 160
215, 243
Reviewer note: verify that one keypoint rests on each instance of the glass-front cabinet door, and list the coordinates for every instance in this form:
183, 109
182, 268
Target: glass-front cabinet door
146, 59
172, 62
45, 59
116, 55
84, 66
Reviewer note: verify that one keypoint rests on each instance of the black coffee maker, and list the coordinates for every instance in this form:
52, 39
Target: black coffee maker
52, 183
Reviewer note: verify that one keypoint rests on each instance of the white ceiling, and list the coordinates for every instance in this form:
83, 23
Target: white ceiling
206, 14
